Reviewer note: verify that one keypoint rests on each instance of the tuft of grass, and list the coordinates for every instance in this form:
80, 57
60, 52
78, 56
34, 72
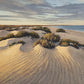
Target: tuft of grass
60, 30
34, 35
51, 37
69, 42
10, 36
18, 42
7, 37
47, 30
48, 40
47, 44
22, 34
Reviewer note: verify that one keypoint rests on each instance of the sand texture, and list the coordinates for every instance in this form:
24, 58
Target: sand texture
25, 64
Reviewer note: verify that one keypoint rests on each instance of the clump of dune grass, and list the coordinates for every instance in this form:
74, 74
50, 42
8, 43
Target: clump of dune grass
47, 30
34, 35
7, 37
51, 37
18, 42
60, 30
11, 35
48, 40
25, 33
69, 42
20, 34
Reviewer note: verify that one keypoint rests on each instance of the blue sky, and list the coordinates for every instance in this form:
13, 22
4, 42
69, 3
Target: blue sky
42, 12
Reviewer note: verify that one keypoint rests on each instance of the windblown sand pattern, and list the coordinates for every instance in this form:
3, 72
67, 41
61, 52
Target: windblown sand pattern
39, 66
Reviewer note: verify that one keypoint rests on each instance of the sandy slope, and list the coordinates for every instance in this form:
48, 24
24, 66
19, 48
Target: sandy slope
23, 64
40, 66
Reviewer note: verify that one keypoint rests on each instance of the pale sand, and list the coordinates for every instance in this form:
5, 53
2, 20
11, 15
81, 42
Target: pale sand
23, 64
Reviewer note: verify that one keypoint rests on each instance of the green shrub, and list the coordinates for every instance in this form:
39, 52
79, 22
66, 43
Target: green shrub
34, 35
22, 34
51, 37
43, 29
60, 30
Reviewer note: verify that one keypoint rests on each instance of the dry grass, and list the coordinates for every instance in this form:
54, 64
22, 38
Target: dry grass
18, 42
20, 34
48, 40
47, 30
60, 30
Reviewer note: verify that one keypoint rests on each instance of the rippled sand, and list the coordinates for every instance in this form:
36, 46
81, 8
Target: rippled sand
39, 66
23, 64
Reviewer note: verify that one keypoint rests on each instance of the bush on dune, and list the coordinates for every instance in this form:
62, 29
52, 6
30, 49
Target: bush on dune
25, 33
43, 29
60, 30
34, 35
48, 40
10, 35
22, 34
69, 42
7, 37
47, 44
18, 42
51, 37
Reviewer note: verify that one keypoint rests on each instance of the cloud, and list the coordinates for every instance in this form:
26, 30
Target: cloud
41, 10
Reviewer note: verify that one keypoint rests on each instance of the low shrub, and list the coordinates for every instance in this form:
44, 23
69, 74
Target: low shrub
69, 42
51, 37
43, 29
22, 34
25, 33
47, 44
60, 30
34, 35
7, 37
48, 40
18, 42
10, 36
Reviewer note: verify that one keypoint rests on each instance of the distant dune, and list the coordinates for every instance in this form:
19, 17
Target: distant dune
25, 64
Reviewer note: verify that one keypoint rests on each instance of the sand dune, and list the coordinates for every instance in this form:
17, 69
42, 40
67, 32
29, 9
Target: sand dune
40, 66
23, 64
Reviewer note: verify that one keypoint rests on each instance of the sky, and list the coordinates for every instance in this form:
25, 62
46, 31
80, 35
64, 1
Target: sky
42, 12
